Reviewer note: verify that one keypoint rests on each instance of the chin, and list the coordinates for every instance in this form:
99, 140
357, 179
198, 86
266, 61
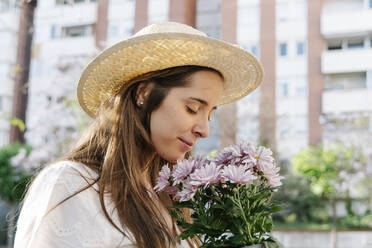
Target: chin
173, 159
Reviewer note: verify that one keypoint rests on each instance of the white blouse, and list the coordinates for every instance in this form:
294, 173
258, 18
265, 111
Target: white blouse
78, 222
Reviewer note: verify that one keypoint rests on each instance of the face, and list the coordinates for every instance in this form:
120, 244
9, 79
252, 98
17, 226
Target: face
183, 117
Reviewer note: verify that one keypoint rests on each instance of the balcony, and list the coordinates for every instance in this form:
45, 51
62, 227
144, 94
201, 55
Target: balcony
350, 23
341, 61
69, 46
67, 14
347, 100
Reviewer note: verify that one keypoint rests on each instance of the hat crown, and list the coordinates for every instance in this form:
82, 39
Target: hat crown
169, 27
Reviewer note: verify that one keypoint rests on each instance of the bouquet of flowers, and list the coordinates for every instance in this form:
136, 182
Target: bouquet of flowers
229, 195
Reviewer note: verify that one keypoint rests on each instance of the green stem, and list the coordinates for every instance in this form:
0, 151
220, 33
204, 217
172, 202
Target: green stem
248, 229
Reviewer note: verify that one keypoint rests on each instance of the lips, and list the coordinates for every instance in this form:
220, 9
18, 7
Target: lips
186, 142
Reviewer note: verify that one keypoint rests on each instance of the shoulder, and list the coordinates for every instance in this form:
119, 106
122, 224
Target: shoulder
70, 174
46, 218
59, 181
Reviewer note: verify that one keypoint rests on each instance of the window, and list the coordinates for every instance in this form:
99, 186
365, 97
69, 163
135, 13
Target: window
283, 49
301, 126
65, 2
355, 43
1, 103
334, 45
284, 132
283, 89
53, 32
370, 3
254, 50
77, 31
300, 48
301, 87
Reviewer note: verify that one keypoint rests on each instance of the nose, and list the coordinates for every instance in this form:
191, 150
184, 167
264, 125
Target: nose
201, 128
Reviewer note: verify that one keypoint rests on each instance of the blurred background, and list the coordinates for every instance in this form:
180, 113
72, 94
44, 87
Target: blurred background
314, 109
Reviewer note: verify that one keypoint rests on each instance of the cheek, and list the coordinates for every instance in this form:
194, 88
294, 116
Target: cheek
168, 124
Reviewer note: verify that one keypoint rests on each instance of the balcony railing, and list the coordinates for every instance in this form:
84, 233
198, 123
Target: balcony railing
341, 61
351, 23
346, 101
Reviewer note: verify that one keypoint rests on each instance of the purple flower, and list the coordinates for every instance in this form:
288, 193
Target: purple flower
228, 155
249, 153
238, 174
264, 156
187, 193
205, 175
271, 173
182, 169
200, 161
162, 180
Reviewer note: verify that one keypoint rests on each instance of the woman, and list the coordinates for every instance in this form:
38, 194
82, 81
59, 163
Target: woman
150, 98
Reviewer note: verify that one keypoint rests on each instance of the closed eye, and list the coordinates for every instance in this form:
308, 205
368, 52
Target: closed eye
191, 111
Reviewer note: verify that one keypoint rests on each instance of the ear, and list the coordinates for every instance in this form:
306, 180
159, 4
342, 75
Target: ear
143, 91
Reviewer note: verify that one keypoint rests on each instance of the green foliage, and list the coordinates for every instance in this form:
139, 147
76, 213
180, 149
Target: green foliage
300, 204
356, 222
321, 166
13, 182
229, 215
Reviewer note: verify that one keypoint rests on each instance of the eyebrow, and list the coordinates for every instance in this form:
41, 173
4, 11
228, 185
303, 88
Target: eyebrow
205, 103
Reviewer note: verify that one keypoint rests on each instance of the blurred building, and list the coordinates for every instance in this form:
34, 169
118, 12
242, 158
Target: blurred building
8, 37
322, 63
347, 68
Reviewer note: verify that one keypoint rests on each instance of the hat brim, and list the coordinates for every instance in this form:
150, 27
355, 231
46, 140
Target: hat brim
110, 70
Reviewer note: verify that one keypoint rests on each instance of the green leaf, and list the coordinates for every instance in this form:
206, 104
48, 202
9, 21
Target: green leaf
237, 239
18, 123
276, 209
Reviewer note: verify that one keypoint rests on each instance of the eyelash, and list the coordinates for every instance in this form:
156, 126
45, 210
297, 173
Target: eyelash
194, 112
191, 111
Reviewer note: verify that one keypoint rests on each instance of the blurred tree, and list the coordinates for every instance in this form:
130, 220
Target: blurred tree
13, 180
56, 120
20, 93
332, 171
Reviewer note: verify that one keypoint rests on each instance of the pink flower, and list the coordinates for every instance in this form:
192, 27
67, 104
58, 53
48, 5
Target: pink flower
228, 155
163, 179
271, 173
182, 169
187, 193
264, 156
238, 174
249, 154
207, 174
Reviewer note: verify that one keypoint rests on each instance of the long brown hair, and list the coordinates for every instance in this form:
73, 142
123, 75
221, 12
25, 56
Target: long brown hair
117, 145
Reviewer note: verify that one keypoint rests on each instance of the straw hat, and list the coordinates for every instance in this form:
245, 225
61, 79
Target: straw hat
161, 46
